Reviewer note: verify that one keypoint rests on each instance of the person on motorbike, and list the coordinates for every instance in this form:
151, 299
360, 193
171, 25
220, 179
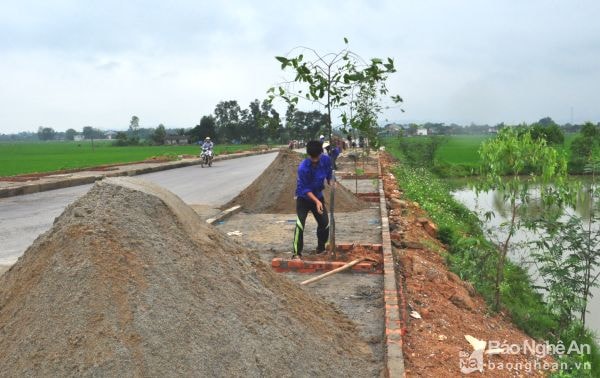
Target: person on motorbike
208, 144
207, 147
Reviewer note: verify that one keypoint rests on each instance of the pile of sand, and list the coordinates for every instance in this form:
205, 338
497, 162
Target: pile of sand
273, 191
130, 282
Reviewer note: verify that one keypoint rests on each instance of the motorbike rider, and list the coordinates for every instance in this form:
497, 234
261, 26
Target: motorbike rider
207, 145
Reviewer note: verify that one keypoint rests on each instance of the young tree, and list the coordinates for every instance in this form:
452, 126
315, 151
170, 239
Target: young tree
568, 254
504, 162
328, 79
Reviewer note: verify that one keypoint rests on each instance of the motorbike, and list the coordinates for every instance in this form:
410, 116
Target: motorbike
206, 157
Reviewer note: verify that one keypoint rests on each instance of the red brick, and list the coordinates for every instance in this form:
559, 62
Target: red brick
306, 270
295, 264
345, 246
366, 267
276, 262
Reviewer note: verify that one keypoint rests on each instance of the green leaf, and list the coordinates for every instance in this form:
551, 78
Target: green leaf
354, 77
282, 59
345, 40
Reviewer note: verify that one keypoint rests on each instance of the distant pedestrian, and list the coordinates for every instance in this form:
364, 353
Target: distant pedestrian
334, 153
312, 174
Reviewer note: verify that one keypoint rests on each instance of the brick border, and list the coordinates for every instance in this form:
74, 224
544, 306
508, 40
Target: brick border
76, 181
393, 296
364, 176
282, 265
369, 197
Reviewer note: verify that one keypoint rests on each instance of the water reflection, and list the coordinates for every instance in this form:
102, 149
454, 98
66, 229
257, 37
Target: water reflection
462, 190
521, 253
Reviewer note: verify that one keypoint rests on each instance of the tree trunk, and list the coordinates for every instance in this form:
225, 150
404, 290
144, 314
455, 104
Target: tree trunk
502, 257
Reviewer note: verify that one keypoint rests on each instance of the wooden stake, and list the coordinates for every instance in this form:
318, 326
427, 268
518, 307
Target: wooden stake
332, 272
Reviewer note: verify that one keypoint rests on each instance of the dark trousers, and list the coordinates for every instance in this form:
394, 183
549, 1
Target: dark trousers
303, 206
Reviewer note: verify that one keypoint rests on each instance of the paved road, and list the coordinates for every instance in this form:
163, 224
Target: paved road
23, 218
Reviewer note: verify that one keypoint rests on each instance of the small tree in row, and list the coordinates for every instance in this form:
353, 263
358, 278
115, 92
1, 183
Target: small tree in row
514, 163
331, 80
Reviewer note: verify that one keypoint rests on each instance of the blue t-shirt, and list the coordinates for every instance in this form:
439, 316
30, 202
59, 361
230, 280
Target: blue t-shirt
335, 152
312, 178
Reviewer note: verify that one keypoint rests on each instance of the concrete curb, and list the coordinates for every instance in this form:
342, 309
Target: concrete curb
392, 296
224, 214
76, 181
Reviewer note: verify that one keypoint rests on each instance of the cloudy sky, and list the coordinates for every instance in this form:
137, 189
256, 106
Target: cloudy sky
68, 64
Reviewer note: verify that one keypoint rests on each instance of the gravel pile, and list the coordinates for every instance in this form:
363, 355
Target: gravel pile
130, 282
273, 191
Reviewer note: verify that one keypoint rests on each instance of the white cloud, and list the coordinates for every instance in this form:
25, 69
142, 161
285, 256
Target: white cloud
70, 63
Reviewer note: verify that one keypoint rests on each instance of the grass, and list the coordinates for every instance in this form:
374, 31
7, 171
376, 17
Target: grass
461, 149
456, 156
37, 157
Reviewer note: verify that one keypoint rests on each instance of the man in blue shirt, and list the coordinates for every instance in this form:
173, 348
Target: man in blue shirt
312, 174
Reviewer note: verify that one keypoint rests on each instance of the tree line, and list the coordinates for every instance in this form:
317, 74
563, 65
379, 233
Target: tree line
259, 123
546, 126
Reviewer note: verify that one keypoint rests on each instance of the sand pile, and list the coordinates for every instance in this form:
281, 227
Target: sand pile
273, 191
130, 282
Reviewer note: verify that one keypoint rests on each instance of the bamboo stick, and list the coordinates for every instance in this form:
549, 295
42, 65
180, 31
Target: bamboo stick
332, 272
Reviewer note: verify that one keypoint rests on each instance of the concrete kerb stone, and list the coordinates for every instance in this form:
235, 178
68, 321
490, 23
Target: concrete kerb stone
28, 188
393, 296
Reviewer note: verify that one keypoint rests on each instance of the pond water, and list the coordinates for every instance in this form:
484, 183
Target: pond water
494, 201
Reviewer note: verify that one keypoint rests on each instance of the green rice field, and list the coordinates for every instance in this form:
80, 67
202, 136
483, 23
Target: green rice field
37, 157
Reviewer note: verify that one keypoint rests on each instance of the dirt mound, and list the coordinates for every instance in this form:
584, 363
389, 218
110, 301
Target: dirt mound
273, 191
130, 282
